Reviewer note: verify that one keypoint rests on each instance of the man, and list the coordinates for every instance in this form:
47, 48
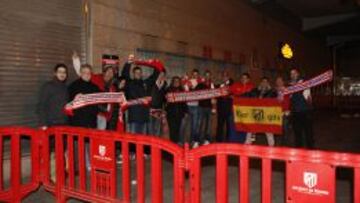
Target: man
105, 83
264, 90
285, 101
137, 87
240, 89
205, 107
193, 108
243, 87
53, 97
224, 111
301, 111
86, 116
175, 113
157, 112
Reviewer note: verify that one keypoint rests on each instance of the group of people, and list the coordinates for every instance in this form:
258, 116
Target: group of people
154, 117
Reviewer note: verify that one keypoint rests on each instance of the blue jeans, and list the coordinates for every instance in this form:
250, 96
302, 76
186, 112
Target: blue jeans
234, 135
205, 124
194, 112
138, 127
184, 123
155, 126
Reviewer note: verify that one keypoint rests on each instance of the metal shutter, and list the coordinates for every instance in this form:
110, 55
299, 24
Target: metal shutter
34, 36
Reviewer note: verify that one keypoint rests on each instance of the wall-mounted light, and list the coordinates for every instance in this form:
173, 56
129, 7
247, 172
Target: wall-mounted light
286, 51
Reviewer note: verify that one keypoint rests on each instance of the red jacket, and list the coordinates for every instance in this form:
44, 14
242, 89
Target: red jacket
238, 88
98, 80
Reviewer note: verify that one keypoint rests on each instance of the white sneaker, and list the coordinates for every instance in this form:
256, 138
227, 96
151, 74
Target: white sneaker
195, 145
119, 159
147, 156
206, 142
253, 137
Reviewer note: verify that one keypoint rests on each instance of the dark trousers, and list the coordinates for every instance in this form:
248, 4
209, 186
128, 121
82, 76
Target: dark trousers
223, 127
174, 122
283, 140
303, 129
205, 124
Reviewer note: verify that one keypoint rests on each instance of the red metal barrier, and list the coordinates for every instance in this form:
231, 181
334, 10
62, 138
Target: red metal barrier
15, 189
310, 175
63, 152
103, 173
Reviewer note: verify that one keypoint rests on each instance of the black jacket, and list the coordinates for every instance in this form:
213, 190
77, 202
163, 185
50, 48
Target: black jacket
53, 97
298, 102
158, 96
258, 93
137, 89
224, 104
176, 109
85, 116
206, 103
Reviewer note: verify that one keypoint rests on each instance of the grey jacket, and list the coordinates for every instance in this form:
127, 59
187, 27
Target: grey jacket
53, 97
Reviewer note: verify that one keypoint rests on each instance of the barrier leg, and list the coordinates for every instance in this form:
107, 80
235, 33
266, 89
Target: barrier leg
70, 161
357, 185
60, 176
156, 176
140, 167
195, 181
15, 167
1, 164
221, 178
82, 169
244, 179
126, 172
266, 181
179, 181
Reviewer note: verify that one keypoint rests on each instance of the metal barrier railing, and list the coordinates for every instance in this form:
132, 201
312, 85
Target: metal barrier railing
81, 163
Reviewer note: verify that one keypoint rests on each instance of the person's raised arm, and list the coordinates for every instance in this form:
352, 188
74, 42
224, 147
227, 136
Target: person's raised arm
158, 68
125, 72
151, 80
76, 62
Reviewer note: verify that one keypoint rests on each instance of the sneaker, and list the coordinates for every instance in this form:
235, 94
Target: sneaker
206, 142
132, 157
119, 159
147, 156
253, 137
195, 145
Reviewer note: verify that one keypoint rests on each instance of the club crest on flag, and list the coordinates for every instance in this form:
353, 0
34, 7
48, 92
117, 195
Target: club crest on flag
258, 114
310, 179
102, 150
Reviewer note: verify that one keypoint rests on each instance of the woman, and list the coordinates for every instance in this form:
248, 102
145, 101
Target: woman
175, 112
